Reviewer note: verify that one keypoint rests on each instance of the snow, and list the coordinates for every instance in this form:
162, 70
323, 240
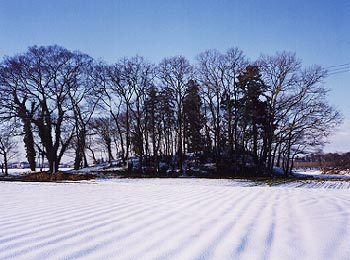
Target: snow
174, 219
319, 174
19, 172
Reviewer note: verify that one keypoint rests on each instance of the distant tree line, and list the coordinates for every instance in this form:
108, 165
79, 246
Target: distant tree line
333, 163
243, 117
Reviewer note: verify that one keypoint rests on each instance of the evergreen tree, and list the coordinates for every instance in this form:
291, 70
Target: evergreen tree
193, 117
254, 111
153, 123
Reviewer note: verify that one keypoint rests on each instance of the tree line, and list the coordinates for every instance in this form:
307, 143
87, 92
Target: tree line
244, 117
328, 163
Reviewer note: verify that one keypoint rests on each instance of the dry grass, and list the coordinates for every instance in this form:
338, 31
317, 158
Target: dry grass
59, 176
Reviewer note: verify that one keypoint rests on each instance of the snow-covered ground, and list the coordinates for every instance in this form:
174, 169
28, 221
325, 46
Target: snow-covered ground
18, 172
174, 219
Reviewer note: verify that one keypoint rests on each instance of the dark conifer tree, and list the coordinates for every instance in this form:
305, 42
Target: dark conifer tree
193, 118
254, 110
153, 127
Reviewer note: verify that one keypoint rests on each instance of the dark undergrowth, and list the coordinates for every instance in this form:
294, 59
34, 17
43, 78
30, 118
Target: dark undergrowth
67, 176
47, 177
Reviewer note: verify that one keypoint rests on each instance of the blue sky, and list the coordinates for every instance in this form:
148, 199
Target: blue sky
318, 31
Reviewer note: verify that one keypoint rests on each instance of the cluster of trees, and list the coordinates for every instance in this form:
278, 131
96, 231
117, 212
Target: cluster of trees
243, 116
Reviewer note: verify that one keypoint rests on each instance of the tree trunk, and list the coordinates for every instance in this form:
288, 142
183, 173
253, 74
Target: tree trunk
5, 164
78, 159
109, 150
29, 144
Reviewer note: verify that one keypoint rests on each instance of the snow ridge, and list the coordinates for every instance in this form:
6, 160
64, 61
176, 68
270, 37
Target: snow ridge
173, 219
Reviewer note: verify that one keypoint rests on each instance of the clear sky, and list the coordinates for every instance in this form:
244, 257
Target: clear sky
317, 30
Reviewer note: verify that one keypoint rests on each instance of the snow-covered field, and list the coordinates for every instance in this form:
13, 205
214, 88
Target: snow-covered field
174, 219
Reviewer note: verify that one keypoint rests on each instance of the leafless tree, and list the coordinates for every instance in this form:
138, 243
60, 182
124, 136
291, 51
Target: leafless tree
302, 117
41, 85
103, 129
84, 100
174, 73
8, 145
217, 74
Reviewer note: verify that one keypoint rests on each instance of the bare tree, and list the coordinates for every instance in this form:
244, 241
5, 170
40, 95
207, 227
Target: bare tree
125, 85
40, 85
301, 115
15, 104
8, 145
138, 77
174, 73
84, 102
117, 100
280, 74
103, 128
210, 71
217, 74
